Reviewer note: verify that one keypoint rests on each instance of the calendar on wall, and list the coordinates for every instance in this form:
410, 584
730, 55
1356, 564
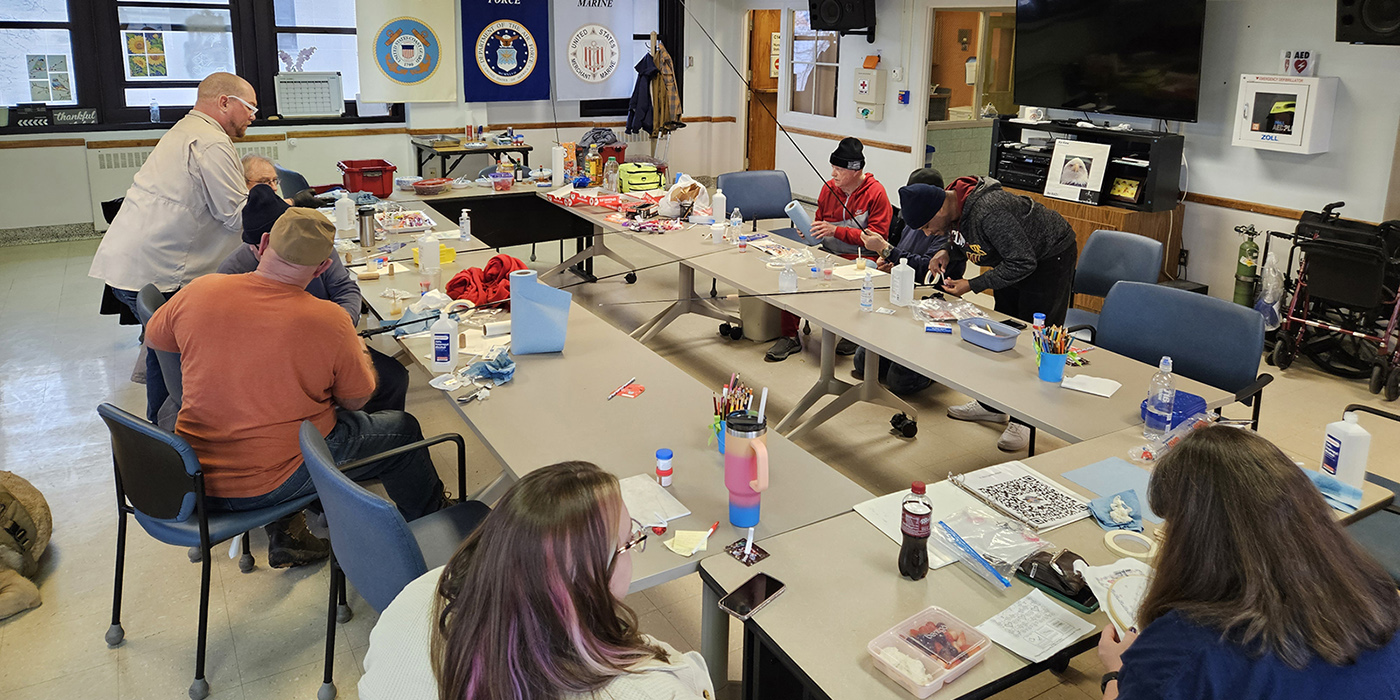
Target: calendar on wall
310, 94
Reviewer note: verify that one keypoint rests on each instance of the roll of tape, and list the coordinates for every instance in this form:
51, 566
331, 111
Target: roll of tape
496, 328
1110, 540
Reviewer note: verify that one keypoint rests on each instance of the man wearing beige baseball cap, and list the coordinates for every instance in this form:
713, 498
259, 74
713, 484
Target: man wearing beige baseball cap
258, 355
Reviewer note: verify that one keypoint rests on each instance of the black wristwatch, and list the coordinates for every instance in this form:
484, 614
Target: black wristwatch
1110, 676
887, 252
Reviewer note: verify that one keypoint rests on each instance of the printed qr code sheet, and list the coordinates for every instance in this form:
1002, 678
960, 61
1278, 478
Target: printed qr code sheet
1021, 491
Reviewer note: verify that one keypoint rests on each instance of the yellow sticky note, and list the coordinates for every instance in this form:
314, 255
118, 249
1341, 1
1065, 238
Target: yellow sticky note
688, 542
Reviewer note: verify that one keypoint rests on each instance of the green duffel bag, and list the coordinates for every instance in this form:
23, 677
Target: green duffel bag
638, 177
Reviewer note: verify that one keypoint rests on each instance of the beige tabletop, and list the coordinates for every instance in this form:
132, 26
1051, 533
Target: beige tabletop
856, 586
519, 189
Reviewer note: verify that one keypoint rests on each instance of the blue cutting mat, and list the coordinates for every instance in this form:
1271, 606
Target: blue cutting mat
1114, 475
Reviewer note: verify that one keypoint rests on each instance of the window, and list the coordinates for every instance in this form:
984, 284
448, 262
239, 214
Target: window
36, 53
318, 35
167, 50
814, 67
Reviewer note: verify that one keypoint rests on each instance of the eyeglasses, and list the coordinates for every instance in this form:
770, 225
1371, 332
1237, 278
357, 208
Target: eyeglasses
252, 109
263, 181
637, 540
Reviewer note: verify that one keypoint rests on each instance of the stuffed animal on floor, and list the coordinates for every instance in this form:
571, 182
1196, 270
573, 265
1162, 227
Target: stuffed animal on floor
26, 524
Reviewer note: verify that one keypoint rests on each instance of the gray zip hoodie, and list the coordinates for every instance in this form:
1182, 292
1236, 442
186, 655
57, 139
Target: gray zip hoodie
1008, 233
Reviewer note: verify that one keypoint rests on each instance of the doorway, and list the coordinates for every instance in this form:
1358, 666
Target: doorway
764, 50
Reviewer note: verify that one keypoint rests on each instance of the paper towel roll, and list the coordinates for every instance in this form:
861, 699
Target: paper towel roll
557, 165
496, 328
799, 217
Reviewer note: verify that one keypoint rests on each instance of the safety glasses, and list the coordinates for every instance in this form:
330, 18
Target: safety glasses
252, 110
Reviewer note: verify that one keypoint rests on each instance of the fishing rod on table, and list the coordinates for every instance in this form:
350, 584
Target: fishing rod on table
735, 296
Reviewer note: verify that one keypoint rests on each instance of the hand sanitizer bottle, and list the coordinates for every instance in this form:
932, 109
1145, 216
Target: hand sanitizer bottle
464, 224
867, 294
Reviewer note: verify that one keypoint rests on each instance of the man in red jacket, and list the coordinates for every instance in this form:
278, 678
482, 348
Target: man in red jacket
850, 203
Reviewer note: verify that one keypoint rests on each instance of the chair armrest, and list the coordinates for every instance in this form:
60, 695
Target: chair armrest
1086, 327
1254, 388
426, 442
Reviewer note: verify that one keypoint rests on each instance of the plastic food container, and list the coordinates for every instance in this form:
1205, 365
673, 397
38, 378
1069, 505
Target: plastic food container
462, 183
1003, 337
501, 182
946, 646
437, 185
407, 182
375, 176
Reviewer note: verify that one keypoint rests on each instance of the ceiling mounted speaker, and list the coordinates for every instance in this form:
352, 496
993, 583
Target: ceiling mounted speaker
844, 15
1368, 21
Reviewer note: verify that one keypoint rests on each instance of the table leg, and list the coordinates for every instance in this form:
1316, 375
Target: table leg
598, 247
714, 635
422, 158
686, 303
868, 390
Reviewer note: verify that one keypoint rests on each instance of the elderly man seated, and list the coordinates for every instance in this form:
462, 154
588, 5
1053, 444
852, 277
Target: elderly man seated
259, 355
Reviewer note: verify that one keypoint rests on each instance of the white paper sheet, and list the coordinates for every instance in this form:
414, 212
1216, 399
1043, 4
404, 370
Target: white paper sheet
1035, 627
884, 513
849, 272
1097, 386
649, 502
1102, 578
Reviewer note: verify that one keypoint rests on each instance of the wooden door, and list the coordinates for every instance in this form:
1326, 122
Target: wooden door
764, 32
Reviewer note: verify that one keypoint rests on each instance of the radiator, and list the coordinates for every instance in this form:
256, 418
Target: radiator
111, 170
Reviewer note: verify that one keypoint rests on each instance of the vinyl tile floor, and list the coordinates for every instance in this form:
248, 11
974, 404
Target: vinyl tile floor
60, 359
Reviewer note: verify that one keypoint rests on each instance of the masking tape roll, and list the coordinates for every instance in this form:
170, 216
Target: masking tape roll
1110, 541
496, 328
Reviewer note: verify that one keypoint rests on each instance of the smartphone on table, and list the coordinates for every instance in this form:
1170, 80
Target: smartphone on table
750, 597
1015, 324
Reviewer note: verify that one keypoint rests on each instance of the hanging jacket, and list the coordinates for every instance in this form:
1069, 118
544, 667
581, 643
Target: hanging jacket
666, 98
639, 110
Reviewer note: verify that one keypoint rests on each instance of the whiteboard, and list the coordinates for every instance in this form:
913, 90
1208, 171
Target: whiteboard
310, 94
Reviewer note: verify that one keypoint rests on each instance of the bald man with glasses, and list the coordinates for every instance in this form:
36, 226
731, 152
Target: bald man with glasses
183, 213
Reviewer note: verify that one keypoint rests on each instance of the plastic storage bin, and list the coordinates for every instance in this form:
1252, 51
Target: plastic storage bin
375, 176
1184, 406
1005, 336
953, 647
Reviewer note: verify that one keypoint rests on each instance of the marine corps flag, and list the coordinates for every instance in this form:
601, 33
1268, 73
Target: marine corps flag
407, 50
593, 49
505, 50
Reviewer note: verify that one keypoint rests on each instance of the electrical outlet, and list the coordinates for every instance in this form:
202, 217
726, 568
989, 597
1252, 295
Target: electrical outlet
897, 75
1182, 257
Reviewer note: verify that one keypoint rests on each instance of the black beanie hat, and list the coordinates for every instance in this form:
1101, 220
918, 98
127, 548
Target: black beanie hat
918, 203
849, 154
263, 207
926, 176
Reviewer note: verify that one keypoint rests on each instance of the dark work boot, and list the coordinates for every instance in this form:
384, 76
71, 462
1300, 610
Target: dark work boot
781, 349
290, 544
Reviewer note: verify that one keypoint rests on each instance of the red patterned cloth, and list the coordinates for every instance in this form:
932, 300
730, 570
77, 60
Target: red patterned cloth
485, 285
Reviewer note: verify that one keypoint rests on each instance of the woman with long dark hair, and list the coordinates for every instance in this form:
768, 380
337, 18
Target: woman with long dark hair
530, 607
1258, 591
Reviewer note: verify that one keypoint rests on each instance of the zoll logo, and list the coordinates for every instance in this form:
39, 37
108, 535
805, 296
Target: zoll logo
1268, 137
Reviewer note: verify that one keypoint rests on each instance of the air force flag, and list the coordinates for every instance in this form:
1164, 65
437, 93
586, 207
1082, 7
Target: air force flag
507, 56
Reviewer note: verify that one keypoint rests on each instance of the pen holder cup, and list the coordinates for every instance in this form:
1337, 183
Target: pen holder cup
719, 437
1052, 367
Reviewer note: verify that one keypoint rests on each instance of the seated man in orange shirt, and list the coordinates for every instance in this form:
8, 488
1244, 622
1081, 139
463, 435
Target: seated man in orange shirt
259, 355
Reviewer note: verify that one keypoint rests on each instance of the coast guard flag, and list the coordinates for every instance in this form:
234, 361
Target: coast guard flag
505, 52
407, 50
593, 49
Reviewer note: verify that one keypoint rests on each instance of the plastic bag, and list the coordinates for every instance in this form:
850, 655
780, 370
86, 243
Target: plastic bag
937, 310
686, 189
1270, 294
990, 545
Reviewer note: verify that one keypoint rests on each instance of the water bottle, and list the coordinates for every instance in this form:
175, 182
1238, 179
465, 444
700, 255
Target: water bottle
902, 284
1161, 394
344, 212
1345, 451
915, 523
610, 175
464, 225
736, 220
867, 294
155, 111
787, 280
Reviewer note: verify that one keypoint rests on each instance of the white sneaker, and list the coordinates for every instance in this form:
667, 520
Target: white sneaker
974, 411
1015, 438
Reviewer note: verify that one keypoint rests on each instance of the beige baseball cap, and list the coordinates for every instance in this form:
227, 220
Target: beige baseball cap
303, 237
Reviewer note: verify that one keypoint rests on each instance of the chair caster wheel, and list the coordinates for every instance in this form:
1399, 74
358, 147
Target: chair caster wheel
343, 614
736, 332
246, 563
904, 425
327, 692
195, 556
806, 328
115, 635
199, 689
727, 330
630, 278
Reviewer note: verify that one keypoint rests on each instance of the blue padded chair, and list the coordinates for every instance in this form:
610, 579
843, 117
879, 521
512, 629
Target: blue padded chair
291, 181
758, 194
372, 545
1379, 532
160, 482
148, 299
1110, 257
1209, 340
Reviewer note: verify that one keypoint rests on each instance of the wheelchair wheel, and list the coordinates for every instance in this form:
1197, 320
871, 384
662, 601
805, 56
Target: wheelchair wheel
1284, 351
1392, 385
1378, 375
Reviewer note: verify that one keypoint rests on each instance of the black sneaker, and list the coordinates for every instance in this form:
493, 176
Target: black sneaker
782, 349
290, 544
846, 348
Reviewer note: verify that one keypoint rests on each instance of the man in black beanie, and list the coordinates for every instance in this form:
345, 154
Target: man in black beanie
263, 209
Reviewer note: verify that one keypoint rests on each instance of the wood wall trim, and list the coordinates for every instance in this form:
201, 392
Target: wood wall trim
261, 137
1251, 207
837, 137
557, 125
42, 143
715, 120
126, 143
330, 133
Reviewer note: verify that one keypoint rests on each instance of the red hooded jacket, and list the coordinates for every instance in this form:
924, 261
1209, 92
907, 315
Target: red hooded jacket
485, 285
868, 206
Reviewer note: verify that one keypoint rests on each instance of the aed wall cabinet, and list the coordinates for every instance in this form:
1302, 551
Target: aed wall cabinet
1285, 113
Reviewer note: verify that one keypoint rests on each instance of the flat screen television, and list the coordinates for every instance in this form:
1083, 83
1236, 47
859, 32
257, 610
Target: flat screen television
1129, 57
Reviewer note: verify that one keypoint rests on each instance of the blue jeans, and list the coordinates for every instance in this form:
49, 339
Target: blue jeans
391, 393
901, 380
410, 478
156, 393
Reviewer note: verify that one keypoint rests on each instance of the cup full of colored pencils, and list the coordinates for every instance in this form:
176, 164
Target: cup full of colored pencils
1053, 343
733, 396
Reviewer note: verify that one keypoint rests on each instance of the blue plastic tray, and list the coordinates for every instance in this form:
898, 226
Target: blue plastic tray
1006, 335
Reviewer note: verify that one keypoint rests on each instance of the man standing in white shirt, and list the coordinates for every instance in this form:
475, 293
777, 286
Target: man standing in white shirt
184, 211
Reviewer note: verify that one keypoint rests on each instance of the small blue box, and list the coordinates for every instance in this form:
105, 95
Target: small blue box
1003, 337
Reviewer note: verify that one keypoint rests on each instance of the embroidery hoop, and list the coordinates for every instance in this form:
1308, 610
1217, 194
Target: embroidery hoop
1110, 541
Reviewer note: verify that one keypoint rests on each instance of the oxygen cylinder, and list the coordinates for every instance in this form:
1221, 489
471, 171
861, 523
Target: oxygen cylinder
1246, 267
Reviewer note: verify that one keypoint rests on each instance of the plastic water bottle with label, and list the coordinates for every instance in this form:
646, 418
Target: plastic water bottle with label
736, 223
902, 284
867, 294
1161, 395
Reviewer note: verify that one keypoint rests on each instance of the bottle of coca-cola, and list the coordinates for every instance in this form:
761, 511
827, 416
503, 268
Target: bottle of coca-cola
915, 523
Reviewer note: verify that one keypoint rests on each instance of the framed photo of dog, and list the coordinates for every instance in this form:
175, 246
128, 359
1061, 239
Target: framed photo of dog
1076, 171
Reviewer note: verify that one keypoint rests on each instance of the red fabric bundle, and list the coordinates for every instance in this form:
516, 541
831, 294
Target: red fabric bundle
485, 285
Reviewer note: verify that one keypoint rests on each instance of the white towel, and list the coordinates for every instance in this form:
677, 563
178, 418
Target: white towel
1097, 386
